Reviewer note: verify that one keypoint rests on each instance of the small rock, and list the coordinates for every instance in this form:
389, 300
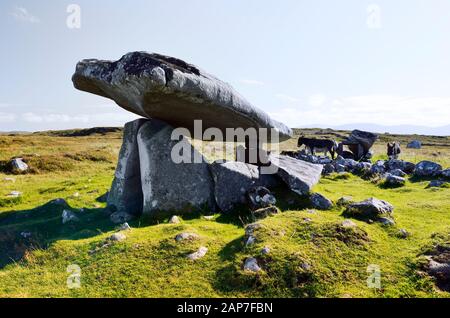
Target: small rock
199, 254
339, 168
265, 250
415, 144
394, 181
186, 237
251, 264
348, 223
18, 166
124, 227
386, 221
344, 201
14, 194
9, 180
378, 168
427, 169
320, 202
76, 195
117, 237
250, 240
260, 197
59, 201
435, 184
328, 169
446, 173
371, 208
69, 216
397, 173
265, 212
307, 220
251, 228
120, 217
208, 217
403, 233
174, 220
363, 166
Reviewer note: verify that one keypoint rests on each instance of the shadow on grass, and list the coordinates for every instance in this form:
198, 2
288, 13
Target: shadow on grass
27, 230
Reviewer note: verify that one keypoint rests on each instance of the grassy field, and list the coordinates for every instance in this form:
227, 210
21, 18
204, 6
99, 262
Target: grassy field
311, 254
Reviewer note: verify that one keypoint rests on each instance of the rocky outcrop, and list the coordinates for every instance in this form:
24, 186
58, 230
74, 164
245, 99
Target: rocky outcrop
415, 144
157, 86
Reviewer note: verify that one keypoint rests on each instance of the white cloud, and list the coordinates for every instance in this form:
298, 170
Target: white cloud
376, 109
23, 15
317, 100
288, 98
7, 118
251, 82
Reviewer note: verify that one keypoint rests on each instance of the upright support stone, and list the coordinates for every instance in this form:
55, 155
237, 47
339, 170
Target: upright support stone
126, 190
171, 179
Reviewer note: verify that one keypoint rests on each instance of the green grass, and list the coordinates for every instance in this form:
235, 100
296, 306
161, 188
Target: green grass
311, 254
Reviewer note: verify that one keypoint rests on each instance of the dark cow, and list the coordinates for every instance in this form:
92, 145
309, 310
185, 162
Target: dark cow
320, 145
393, 150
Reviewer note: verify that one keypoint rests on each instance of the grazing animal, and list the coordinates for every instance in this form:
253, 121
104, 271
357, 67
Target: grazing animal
320, 145
393, 150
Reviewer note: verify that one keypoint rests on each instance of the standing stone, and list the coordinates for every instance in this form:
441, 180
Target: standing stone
171, 182
300, 176
233, 180
126, 191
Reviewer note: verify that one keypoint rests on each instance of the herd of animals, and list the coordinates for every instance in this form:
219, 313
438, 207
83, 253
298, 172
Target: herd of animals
325, 146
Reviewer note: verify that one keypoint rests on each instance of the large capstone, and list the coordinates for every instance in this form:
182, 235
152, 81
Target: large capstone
233, 179
299, 175
126, 191
174, 176
169, 89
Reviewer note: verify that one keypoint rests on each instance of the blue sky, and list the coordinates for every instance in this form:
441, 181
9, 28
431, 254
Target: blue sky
318, 62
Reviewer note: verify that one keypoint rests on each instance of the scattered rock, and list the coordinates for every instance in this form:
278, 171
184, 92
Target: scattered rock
394, 181
250, 240
117, 237
344, 201
348, 223
251, 228
265, 212
446, 173
186, 237
76, 195
402, 233
328, 169
427, 169
260, 197
415, 144
208, 217
9, 180
386, 221
397, 173
60, 202
339, 168
320, 202
14, 194
198, 254
265, 250
124, 227
234, 179
405, 166
121, 217
371, 208
251, 264
378, 168
436, 184
300, 176
363, 166
18, 165
69, 216
174, 220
